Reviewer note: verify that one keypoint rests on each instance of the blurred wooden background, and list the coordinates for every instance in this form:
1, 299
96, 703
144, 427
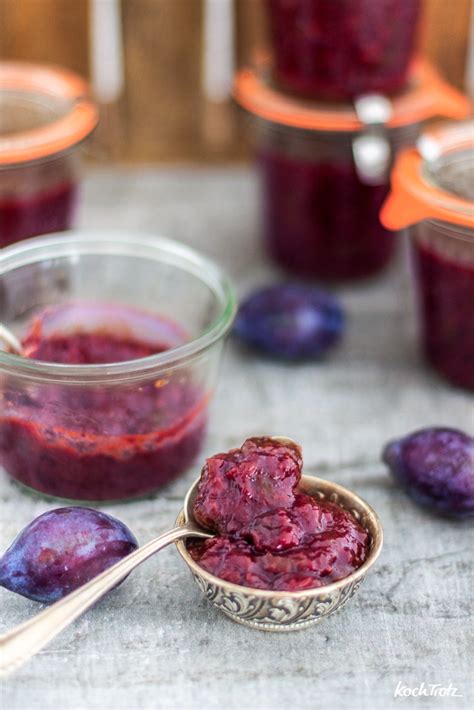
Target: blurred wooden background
162, 114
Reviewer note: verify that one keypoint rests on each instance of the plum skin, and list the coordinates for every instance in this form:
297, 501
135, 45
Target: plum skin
290, 322
435, 466
61, 550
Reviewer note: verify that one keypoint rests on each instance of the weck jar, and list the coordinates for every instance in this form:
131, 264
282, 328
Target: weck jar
324, 170
338, 49
433, 196
46, 114
122, 335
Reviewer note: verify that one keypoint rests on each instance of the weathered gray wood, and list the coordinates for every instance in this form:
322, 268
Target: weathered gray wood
155, 643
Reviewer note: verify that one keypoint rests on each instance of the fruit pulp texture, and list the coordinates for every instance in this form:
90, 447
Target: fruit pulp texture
98, 442
25, 216
446, 295
270, 534
338, 49
320, 220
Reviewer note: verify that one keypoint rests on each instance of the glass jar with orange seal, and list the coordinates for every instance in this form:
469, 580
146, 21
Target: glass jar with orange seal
46, 114
324, 169
121, 337
433, 195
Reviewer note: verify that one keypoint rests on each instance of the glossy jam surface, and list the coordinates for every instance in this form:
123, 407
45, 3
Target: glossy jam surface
337, 49
25, 216
446, 294
271, 535
320, 220
99, 442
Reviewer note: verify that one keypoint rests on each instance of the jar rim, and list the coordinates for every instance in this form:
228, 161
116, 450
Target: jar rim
110, 242
427, 96
418, 193
51, 83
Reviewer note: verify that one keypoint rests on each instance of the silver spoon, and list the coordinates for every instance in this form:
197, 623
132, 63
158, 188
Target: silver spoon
18, 645
11, 340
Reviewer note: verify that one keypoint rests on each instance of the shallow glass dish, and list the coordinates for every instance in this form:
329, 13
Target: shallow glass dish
113, 430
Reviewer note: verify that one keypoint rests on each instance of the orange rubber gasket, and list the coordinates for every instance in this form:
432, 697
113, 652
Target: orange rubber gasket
428, 96
59, 135
415, 198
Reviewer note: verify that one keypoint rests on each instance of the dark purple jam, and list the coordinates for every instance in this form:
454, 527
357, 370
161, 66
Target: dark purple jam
43, 212
320, 220
446, 294
338, 49
270, 534
97, 442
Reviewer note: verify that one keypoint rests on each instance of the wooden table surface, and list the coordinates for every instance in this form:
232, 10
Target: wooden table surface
155, 642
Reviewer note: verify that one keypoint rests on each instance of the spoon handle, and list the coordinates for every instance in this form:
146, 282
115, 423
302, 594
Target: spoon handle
19, 644
11, 340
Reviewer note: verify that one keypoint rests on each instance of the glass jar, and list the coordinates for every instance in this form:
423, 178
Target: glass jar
45, 115
338, 49
433, 195
324, 174
82, 427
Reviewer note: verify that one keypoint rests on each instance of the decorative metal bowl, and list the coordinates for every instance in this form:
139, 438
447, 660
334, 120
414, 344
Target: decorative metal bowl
288, 611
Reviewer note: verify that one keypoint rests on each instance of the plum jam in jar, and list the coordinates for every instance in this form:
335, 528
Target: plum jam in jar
433, 195
45, 116
122, 336
338, 49
324, 170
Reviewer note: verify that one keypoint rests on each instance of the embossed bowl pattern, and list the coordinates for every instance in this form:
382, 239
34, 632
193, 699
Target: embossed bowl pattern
268, 610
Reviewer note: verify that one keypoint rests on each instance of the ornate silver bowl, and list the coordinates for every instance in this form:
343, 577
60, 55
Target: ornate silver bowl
268, 610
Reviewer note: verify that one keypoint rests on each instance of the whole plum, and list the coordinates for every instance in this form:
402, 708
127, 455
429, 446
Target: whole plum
61, 550
436, 468
290, 321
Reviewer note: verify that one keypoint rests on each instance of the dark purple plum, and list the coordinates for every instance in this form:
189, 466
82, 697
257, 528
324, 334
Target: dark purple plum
436, 468
61, 550
290, 321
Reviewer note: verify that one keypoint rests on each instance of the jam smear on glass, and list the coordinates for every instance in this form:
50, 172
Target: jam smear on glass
271, 535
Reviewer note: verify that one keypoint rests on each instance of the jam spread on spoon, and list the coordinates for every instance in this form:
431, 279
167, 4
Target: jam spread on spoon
100, 441
271, 535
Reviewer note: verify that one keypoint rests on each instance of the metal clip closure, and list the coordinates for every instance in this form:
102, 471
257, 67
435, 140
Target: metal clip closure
371, 147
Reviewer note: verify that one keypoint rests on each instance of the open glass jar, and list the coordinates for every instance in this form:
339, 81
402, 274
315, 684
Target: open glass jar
324, 173
338, 49
433, 195
122, 337
45, 115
